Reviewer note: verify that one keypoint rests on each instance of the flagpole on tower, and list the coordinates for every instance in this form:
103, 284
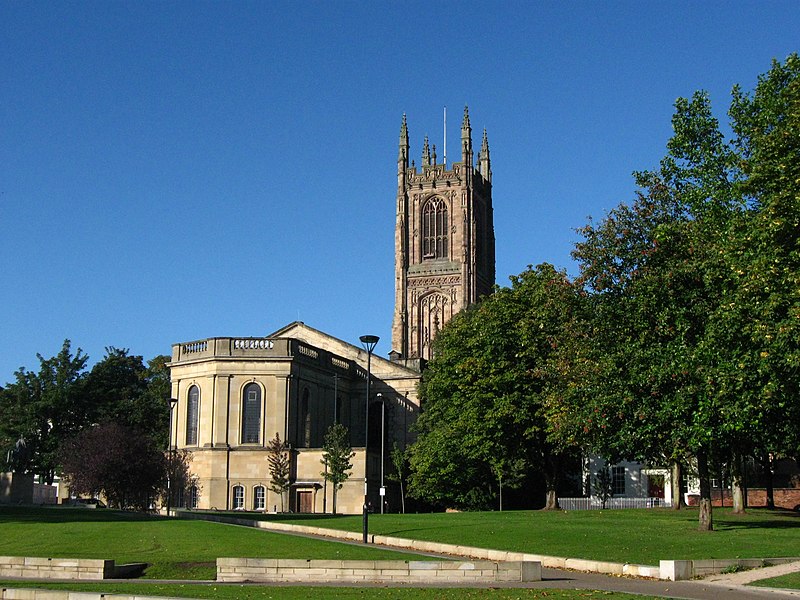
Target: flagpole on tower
445, 137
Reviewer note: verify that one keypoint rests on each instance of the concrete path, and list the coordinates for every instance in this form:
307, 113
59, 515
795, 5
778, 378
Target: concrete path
744, 577
698, 589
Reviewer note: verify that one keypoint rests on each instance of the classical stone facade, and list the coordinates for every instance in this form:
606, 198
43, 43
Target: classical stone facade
235, 394
444, 241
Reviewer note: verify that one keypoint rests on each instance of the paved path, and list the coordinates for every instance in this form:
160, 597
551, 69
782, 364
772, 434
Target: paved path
699, 589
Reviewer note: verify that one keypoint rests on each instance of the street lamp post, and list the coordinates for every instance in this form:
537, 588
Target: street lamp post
369, 342
172, 403
383, 442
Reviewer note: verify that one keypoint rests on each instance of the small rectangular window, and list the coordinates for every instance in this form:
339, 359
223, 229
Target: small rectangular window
618, 481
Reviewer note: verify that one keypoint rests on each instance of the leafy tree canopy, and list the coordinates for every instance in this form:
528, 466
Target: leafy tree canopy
483, 392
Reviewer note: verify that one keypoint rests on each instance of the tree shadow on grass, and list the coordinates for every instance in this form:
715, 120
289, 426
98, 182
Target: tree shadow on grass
786, 519
65, 514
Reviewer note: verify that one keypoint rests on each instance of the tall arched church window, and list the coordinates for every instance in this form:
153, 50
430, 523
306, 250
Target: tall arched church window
192, 415
434, 228
251, 413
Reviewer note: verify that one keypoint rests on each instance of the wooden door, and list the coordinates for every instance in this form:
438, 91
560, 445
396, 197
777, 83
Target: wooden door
305, 502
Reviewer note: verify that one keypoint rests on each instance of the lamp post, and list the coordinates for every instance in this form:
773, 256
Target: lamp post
369, 342
383, 442
172, 403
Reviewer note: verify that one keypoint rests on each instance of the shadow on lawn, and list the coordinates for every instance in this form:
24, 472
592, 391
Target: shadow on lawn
754, 519
68, 514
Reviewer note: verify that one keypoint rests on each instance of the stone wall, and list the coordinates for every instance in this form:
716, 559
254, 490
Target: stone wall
34, 594
682, 570
55, 568
374, 571
16, 488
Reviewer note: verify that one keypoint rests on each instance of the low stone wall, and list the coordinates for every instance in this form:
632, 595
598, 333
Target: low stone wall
267, 570
680, 570
34, 594
55, 568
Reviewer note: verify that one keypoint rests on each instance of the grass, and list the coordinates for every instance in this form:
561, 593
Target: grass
790, 581
179, 549
254, 592
175, 549
633, 536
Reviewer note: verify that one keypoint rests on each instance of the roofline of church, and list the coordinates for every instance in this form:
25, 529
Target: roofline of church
280, 332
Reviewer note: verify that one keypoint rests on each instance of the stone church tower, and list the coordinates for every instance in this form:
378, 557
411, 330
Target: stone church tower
444, 241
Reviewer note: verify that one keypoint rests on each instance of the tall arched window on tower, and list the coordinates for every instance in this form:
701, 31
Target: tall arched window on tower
192, 413
251, 413
434, 228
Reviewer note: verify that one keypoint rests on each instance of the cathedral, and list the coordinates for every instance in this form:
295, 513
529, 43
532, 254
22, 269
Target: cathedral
231, 396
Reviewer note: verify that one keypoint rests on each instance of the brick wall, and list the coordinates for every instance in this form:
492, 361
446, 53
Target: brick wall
788, 498
361, 571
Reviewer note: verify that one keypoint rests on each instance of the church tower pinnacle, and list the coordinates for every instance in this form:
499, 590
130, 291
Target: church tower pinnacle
444, 241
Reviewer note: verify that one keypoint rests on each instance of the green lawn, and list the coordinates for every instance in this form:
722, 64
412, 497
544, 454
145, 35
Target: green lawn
175, 549
187, 549
635, 536
790, 581
253, 592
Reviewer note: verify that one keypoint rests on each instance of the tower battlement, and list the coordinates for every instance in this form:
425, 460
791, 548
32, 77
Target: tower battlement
444, 240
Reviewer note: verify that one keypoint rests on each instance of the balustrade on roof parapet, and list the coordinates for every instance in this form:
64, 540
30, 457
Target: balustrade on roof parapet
260, 347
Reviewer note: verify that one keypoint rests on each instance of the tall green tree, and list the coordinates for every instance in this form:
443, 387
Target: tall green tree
758, 324
279, 464
483, 393
337, 454
688, 282
121, 388
44, 409
400, 463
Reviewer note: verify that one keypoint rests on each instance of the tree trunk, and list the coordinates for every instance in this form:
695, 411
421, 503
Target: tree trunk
402, 496
500, 482
706, 517
551, 502
736, 484
766, 463
551, 472
677, 497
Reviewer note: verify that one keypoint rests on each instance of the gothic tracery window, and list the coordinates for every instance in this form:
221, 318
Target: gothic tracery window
434, 228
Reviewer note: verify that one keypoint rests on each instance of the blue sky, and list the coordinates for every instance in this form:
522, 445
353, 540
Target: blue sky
172, 171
